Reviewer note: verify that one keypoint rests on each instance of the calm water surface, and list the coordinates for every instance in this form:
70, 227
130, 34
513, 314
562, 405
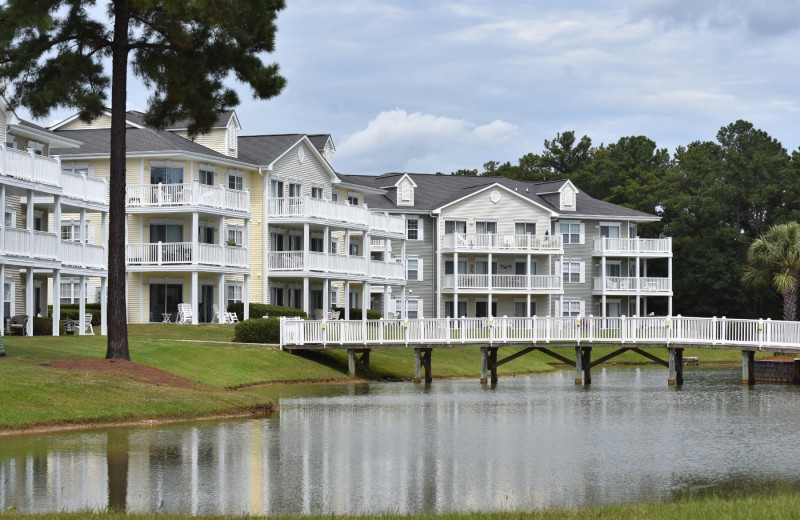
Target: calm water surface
530, 443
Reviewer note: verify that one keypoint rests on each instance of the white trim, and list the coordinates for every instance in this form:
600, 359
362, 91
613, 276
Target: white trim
497, 186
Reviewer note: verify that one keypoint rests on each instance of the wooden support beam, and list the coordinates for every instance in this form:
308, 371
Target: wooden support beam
586, 354
515, 355
610, 356
355, 361
675, 366
493, 364
748, 368
556, 356
422, 360
484, 365
578, 366
651, 357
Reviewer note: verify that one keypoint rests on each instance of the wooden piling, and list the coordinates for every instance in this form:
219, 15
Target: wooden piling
675, 366
748, 368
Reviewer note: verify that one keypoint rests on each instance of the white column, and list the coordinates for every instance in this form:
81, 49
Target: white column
246, 297
195, 296
84, 237
221, 298
222, 239
29, 227
638, 296
347, 300
669, 277
403, 303
385, 300
3, 287
196, 241
104, 306
56, 301
82, 307
306, 256
603, 286
3, 221
326, 294
306, 302
265, 241
56, 224
29, 310
365, 298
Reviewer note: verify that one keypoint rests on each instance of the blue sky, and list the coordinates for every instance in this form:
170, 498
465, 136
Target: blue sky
430, 86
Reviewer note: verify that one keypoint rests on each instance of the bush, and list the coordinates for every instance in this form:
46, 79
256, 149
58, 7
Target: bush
258, 330
42, 326
355, 313
74, 314
257, 310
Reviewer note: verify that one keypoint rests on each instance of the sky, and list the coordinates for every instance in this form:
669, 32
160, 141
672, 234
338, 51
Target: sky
435, 86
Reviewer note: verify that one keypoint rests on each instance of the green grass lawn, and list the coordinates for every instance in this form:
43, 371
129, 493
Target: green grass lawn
754, 508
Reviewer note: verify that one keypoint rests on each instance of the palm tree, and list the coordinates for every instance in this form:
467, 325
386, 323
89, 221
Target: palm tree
774, 260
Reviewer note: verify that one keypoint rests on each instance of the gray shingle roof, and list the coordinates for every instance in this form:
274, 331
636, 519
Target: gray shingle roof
435, 191
264, 149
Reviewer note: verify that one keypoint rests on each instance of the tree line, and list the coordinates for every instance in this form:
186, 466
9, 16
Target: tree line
714, 199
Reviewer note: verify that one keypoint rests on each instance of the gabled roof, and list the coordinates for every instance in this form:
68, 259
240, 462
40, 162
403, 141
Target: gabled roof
436, 191
266, 150
223, 118
36, 132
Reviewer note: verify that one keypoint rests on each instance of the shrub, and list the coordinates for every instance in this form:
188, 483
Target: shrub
257, 310
74, 314
258, 330
355, 313
42, 326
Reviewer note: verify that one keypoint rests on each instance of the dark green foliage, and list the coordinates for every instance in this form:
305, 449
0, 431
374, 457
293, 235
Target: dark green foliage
258, 330
355, 313
258, 310
43, 326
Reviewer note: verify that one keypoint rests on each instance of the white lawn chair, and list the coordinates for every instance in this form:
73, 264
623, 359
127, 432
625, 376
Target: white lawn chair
87, 324
184, 313
217, 316
232, 317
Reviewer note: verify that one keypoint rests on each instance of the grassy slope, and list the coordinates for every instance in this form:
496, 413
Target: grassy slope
755, 508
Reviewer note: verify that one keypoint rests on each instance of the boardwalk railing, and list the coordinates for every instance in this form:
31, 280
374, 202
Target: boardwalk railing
678, 330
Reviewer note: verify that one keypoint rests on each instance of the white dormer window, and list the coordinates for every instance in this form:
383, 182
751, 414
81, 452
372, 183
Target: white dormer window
569, 197
405, 192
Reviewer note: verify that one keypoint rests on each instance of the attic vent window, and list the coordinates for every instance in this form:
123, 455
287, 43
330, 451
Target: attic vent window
495, 196
569, 197
405, 192
233, 137
301, 154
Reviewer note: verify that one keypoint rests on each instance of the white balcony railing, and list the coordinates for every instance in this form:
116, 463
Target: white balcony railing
193, 194
633, 246
385, 223
501, 243
333, 263
83, 187
306, 208
33, 244
502, 282
633, 285
182, 253
82, 255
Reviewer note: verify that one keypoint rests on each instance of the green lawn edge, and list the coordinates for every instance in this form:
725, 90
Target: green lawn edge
750, 508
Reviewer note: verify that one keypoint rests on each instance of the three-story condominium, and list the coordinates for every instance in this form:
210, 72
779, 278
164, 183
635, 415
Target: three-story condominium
54, 218
224, 218
491, 246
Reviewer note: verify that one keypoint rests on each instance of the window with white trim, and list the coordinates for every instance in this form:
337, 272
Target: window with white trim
572, 307
76, 168
207, 175
295, 189
276, 188
235, 180
334, 246
316, 244
233, 137
571, 232
352, 198
37, 147
317, 192
71, 291
519, 309
413, 310
486, 227
205, 232
166, 172
10, 220
414, 269
525, 228
71, 231
572, 270
413, 229
235, 236
609, 230
334, 196
233, 292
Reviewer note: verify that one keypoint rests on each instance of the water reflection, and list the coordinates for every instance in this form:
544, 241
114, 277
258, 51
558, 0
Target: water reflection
530, 443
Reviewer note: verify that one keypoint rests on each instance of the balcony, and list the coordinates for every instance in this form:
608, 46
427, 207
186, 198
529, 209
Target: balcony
294, 261
503, 283
632, 246
632, 285
494, 243
194, 194
83, 255
334, 213
47, 170
183, 254
31, 244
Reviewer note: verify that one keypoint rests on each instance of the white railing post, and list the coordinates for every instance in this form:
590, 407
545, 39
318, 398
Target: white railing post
159, 253
591, 329
490, 323
723, 333
448, 329
547, 329
768, 341
405, 328
667, 330
623, 329
534, 328
714, 331
760, 333
324, 328
380, 331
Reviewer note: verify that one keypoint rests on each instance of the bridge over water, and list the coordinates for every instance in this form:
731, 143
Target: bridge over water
550, 335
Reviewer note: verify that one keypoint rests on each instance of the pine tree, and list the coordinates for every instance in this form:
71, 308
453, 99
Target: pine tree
53, 54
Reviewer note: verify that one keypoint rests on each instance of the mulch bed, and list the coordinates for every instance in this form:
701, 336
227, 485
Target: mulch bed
134, 370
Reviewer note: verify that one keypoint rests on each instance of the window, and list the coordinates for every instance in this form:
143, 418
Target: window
317, 192
519, 267
164, 298
233, 137
11, 142
525, 228
233, 292
276, 188
276, 295
353, 248
317, 245
413, 229
334, 246
75, 168
10, 219
38, 148
414, 269
207, 175
519, 309
295, 190
335, 196
166, 233
486, 227
235, 236
462, 309
482, 309
455, 226
573, 271
571, 233
38, 221
206, 233
295, 297
71, 291
572, 308
413, 309
405, 192
609, 230
353, 300
613, 269
235, 180
352, 198
276, 241
295, 243
166, 173
71, 231
462, 267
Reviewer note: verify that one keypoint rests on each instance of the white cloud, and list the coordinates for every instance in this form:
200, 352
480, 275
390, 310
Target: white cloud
398, 140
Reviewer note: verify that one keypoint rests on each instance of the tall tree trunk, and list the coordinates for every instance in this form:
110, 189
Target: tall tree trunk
790, 304
117, 305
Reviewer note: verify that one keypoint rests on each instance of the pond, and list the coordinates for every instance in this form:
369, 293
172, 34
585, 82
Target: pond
529, 443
